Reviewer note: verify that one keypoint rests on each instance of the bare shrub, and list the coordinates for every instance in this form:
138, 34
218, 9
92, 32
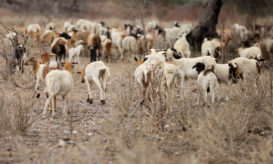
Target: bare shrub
21, 117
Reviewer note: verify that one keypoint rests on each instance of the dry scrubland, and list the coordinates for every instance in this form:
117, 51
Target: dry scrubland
236, 129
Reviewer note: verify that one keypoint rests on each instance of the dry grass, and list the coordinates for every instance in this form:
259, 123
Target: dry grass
236, 129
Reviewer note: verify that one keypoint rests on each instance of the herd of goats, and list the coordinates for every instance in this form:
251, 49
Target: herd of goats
172, 64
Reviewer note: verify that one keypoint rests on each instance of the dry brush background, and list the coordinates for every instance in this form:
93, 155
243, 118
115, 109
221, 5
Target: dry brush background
236, 129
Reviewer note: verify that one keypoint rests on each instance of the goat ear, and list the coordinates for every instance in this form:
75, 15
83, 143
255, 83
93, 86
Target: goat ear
230, 65
145, 59
135, 58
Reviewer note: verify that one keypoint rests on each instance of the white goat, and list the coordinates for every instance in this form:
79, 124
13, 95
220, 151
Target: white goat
241, 31
75, 53
222, 72
242, 67
186, 64
253, 52
143, 75
206, 81
183, 47
128, 44
59, 82
172, 78
68, 26
117, 37
50, 26
93, 72
151, 25
211, 47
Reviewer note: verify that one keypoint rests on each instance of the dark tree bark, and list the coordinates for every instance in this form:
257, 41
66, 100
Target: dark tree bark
207, 24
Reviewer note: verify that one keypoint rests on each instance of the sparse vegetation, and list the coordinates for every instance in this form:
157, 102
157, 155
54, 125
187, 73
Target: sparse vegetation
237, 128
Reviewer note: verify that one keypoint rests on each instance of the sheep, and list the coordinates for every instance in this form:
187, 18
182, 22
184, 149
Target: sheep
251, 53
143, 75
94, 45
34, 31
59, 82
107, 49
183, 47
128, 44
59, 48
50, 26
206, 81
241, 68
186, 64
93, 72
171, 77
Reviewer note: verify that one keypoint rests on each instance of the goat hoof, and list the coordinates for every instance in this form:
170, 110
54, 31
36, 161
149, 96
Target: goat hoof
38, 95
102, 101
142, 102
89, 100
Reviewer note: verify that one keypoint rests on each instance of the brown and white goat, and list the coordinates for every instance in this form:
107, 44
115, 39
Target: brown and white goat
59, 82
94, 46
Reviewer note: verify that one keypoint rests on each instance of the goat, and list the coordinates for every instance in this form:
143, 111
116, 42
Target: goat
59, 82
143, 75
94, 45
75, 53
37, 69
206, 81
171, 77
117, 38
144, 45
34, 31
241, 31
107, 49
59, 48
48, 37
242, 67
251, 53
50, 26
128, 44
183, 47
186, 64
68, 26
93, 72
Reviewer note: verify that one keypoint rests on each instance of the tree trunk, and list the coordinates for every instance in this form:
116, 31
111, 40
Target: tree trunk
207, 24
